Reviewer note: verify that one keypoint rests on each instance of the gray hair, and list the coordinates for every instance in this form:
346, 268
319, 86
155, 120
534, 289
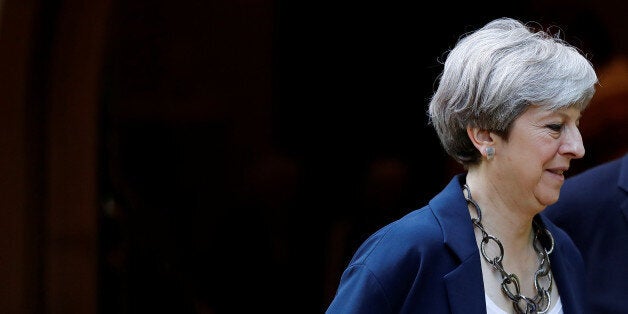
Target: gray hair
494, 74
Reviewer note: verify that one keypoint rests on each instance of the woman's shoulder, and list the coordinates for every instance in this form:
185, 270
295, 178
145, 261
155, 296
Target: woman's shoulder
418, 227
424, 236
407, 238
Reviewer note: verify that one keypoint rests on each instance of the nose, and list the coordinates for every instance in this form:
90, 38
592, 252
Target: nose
572, 144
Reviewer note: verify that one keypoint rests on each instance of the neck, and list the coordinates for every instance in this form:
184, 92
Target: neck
500, 214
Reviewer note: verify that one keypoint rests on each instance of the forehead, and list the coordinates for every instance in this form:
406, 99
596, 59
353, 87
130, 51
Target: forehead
537, 113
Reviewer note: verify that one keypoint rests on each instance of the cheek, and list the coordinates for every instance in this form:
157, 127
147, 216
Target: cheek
533, 152
543, 147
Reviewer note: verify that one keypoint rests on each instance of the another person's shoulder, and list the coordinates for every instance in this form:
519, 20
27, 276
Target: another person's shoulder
588, 189
601, 172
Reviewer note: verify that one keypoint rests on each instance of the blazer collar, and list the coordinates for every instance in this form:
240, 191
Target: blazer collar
450, 209
465, 287
563, 266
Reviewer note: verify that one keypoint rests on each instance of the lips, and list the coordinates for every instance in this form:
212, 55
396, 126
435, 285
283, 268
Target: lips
557, 171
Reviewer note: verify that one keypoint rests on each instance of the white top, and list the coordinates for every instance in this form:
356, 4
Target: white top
492, 308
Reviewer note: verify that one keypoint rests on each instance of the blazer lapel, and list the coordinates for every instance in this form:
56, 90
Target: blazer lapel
562, 267
465, 289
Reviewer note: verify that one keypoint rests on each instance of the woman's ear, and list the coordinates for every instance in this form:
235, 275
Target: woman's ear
482, 140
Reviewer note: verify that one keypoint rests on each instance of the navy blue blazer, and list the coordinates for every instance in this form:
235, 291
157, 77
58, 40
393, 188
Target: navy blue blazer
428, 262
593, 210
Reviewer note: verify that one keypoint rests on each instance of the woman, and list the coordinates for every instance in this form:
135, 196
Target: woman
507, 108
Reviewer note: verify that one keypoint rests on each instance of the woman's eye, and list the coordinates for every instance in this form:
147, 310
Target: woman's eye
555, 127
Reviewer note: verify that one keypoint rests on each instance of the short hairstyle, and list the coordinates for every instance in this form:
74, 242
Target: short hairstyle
495, 73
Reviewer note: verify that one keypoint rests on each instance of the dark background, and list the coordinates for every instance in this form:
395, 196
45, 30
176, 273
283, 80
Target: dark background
239, 150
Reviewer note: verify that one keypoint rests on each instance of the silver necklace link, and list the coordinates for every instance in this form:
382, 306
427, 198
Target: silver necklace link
510, 282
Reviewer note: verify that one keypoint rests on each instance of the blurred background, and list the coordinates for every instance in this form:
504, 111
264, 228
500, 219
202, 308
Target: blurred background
228, 156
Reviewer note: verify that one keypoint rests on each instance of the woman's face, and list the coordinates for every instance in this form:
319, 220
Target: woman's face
540, 147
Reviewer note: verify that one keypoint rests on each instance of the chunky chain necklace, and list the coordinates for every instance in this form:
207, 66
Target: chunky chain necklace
510, 282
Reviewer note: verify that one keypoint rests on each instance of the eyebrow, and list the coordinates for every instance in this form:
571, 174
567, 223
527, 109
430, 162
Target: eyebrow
562, 113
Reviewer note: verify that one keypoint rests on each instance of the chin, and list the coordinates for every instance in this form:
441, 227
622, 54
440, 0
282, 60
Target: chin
547, 199
550, 200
